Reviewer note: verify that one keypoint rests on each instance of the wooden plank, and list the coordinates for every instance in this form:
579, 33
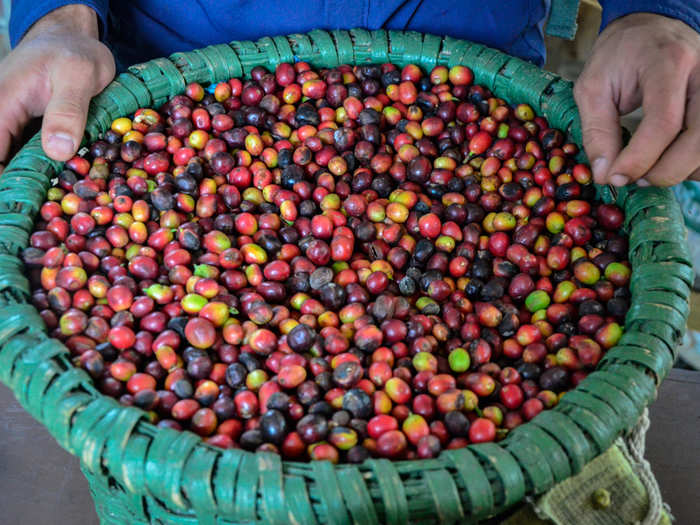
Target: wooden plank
39, 481
673, 447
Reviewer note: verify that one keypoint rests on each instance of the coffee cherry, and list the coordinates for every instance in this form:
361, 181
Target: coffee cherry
333, 264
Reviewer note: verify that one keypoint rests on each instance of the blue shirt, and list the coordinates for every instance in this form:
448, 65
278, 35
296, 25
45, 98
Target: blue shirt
138, 30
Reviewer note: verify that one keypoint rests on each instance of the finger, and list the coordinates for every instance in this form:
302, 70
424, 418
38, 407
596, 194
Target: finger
5, 143
682, 158
65, 115
600, 124
20, 103
663, 101
10, 120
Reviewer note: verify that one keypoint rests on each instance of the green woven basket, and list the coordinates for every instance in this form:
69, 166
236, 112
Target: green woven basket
141, 474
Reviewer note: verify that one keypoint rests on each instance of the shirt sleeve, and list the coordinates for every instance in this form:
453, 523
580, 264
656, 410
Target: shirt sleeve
687, 11
25, 12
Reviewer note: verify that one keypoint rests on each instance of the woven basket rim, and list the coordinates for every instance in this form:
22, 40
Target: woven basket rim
475, 482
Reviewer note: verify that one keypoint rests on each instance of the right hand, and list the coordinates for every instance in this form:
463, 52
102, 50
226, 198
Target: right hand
56, 69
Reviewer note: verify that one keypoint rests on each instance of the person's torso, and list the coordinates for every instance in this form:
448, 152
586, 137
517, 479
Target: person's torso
144, 29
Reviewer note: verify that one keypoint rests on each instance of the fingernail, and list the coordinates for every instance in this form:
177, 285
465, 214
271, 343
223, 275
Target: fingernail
600, 167
643, 182
61, 144
619, 180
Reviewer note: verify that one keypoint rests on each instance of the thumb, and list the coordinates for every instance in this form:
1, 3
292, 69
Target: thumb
65, 116
600, 124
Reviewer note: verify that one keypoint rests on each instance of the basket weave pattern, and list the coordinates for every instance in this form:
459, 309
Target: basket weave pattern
142, 474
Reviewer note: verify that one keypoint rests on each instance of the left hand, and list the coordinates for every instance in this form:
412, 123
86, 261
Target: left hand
653, 61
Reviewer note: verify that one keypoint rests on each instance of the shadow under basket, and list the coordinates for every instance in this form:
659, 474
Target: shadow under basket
139, 473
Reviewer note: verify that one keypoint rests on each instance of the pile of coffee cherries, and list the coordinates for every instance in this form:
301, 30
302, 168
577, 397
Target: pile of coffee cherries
336, 264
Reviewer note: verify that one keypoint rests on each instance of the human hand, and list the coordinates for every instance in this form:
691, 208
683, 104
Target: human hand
653, 61
55, 70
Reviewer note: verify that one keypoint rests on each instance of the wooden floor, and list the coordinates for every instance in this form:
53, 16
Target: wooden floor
41, 484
